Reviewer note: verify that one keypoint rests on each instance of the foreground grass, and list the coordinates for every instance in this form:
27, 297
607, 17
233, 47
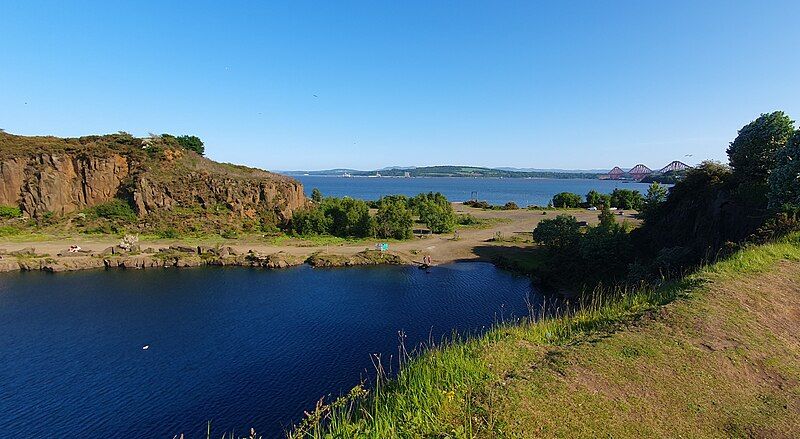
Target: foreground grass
715, 363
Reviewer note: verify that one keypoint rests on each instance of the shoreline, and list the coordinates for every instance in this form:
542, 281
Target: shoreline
175, 258
507, 233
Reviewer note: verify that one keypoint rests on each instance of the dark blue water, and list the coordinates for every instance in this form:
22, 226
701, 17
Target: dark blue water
522, 191
244, 348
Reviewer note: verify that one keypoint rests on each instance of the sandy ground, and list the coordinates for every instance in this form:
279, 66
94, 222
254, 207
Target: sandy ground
472, 243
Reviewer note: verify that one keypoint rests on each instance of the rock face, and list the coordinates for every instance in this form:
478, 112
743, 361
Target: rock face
60, 183
58, 179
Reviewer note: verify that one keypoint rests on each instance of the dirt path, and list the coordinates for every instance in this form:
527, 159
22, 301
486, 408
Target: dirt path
442, 248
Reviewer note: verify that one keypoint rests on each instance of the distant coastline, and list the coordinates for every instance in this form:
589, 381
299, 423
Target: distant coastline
450, 171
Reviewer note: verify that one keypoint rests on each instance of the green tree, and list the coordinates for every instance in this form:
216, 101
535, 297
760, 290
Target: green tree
566, 199
752, 153
626, 199
656, 194
316, 195
310, 221
348, 216
606, 218
558, 233
192, 143
440, 218
596, 199
784, 181
393, 220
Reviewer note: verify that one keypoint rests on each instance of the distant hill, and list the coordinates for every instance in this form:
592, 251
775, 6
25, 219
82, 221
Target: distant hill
453, 171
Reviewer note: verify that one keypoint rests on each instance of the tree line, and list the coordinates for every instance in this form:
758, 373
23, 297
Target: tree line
714, 210
350, 218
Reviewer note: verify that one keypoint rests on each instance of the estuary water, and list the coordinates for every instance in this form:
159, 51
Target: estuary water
240, 347
522, 191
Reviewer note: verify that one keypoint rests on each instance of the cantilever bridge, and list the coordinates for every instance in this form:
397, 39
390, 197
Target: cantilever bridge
640, 171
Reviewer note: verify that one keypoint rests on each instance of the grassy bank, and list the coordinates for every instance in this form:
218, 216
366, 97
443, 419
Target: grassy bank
714, 355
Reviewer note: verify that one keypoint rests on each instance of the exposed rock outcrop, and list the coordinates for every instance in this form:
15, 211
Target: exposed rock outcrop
45, 175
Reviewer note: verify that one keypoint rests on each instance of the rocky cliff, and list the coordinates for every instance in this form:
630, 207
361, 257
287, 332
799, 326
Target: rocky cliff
47, 175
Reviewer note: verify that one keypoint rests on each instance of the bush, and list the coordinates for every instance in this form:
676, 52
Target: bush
478, 204
10, 212
168, 234
558, 233
467, 220
566, 199
114, 210
510, 206
229, 234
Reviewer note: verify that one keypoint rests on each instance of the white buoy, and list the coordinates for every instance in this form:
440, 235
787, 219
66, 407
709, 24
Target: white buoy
145, 347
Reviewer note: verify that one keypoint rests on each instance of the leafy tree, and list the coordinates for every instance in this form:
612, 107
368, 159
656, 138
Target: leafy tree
784, 181
656, 194
596, 199
626, 199
607, 220
310, 222
316, 195
435, 210
440, 218
752, 153
348, 216
566, 199
192, 143
393, 219
558, 233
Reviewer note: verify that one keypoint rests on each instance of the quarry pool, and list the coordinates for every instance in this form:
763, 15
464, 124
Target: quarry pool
240, 347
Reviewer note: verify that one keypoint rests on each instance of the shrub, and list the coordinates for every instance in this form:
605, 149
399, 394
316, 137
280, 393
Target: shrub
566, 199
316, 195
10, 212
558, 233
467, 220
114, 210
510, 206
168, 233
478, 204
229, 234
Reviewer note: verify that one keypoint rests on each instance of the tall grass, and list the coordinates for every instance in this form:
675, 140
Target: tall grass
434, 392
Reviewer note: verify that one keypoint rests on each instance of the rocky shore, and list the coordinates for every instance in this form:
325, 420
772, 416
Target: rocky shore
28, 259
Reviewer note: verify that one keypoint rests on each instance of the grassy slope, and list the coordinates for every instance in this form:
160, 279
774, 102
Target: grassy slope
723, 360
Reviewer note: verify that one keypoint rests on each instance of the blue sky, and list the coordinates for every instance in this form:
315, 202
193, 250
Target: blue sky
528, 84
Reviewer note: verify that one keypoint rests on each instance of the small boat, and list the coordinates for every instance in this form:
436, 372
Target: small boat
145, 347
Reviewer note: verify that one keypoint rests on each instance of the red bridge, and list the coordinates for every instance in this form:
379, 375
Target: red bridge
640, 171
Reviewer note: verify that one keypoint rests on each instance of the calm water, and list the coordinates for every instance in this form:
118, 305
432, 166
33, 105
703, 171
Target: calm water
237, 346
522, 191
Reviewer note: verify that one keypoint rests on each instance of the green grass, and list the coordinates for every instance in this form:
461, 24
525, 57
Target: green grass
475, 387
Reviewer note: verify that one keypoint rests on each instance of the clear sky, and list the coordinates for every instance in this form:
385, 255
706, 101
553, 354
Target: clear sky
527, 84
